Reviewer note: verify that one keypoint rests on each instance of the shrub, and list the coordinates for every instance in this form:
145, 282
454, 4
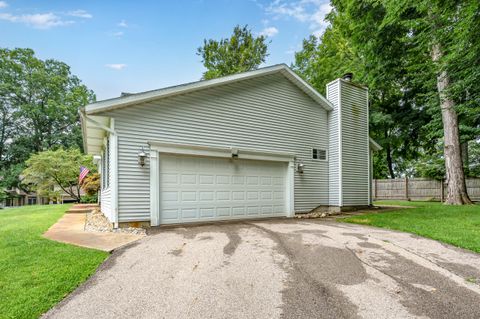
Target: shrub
89, 199
91, 184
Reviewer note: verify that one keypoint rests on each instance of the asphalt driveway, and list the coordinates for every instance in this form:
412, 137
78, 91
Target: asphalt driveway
280, 269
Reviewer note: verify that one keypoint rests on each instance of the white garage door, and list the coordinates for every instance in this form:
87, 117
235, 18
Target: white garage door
194, 189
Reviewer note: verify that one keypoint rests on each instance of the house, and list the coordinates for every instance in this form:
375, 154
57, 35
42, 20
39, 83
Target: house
16, 197
257, 144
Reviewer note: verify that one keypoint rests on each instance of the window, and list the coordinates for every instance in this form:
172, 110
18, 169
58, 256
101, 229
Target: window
319, 154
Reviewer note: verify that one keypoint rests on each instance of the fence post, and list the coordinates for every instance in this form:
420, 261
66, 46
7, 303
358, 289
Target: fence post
406, 188
442, 192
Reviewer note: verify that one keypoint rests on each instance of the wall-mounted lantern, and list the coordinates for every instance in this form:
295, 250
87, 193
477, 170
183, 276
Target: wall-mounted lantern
141, 157
300, 167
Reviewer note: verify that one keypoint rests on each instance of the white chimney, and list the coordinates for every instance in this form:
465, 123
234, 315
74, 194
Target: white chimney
349, 154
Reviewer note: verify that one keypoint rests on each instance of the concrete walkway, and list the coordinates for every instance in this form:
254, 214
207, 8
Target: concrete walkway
70, 229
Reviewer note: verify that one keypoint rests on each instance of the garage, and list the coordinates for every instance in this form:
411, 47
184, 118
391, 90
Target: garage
255, 144
201, 188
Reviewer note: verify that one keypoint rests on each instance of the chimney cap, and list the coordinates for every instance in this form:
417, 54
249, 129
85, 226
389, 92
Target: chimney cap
348, 76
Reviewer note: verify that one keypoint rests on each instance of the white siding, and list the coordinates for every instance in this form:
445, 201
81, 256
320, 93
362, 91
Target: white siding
333, 150
106, 197
268, 113
355, 145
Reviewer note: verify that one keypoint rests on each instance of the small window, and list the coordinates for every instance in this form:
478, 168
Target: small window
319, 154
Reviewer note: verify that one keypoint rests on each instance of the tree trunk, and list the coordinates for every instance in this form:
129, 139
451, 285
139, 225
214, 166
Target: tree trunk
456, 189
466, 164
389, 162
389, 158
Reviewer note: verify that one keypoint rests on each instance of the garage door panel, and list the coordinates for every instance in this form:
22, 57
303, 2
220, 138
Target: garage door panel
193, 189
189, 213
170, 214
238, 211
224, 211
187, 179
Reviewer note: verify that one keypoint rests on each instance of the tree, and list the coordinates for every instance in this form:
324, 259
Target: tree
421, 62
239, 53
435, 27
49, 170
39, 103
355, 42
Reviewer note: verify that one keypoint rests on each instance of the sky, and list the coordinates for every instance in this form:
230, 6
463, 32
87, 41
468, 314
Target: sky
134, 46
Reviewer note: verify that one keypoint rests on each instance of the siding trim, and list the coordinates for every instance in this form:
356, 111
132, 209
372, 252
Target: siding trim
290, 191
154, 188
114, 173
369, 153
213, 151
340, 147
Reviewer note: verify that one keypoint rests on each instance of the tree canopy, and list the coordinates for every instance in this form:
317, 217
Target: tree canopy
39, 101
239, 53
50, 173
388, 45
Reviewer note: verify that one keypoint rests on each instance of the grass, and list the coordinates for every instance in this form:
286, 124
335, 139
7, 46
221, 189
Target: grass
36, 273
455, 225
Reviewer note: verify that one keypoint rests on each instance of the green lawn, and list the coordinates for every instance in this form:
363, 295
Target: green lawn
36, 273
455, 225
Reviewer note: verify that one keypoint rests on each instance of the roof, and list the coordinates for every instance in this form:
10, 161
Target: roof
132, 99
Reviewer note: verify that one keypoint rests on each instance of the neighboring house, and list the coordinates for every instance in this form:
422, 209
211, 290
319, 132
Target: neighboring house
262, 143
17, 197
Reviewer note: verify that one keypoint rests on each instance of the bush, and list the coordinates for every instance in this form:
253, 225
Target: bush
89, 199
91, 184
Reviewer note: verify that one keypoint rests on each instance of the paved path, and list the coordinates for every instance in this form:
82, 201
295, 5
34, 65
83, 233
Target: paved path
70, 229
281, 269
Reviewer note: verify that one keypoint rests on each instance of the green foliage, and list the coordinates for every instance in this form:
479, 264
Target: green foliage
239, 53
91, 184
474, 155
455, 225
431, 167
321, 61
51, 172
35, 272
9, 177
89, 199
387, 44
39, 103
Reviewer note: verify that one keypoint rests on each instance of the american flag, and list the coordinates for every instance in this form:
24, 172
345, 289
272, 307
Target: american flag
83, 172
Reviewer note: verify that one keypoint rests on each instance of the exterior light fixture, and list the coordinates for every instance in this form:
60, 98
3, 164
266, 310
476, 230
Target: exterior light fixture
234, 152
300, 167
141, 157
348, 77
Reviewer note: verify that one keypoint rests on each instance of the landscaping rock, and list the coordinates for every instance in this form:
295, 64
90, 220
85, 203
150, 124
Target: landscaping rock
314, 215
96, 221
